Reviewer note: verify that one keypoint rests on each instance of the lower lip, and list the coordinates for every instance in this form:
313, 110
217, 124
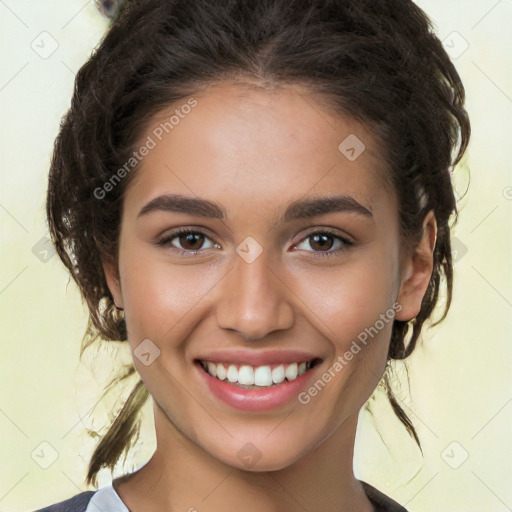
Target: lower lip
255, 400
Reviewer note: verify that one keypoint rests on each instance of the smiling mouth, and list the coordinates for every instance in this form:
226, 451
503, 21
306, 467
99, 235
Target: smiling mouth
257, 377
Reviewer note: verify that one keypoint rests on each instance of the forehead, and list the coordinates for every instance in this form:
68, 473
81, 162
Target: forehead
255, 144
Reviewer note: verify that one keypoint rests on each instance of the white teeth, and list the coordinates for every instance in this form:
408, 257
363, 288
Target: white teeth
246, 375
278, 374
221, 372
232, 373
212, 369
263, 376
292, 371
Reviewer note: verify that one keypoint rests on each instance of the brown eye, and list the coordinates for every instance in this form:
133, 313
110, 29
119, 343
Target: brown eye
321, 242
191, 241
324, 243
186, 241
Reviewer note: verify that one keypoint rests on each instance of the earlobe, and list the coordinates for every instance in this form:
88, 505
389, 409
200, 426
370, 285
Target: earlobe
112, 278
417, 271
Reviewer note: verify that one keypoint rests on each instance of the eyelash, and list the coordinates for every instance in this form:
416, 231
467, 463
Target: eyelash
165, 241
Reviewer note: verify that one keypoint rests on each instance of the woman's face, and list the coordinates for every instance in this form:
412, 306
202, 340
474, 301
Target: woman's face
270, 273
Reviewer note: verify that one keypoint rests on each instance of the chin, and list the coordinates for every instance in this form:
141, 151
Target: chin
260, 456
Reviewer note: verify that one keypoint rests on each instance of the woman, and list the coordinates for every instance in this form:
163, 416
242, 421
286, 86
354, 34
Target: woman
256, 196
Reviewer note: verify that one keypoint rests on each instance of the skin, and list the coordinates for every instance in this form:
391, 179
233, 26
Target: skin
254, 151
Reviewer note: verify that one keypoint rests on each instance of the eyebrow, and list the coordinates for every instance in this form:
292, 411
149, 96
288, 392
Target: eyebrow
300, 209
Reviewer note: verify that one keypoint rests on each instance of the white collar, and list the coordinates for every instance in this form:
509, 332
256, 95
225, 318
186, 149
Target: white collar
106, 499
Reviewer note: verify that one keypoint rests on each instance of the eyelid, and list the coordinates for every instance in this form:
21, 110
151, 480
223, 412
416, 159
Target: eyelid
345, 240
335, 232
165, 239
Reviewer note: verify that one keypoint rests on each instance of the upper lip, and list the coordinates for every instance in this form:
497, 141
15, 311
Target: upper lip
258, 358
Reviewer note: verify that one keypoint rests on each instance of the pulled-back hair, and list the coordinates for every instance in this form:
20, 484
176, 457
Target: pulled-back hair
377, 61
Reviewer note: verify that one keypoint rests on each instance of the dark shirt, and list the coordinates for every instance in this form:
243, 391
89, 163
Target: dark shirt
380, 502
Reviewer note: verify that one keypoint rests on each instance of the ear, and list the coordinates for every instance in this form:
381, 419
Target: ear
417, 270
113, 282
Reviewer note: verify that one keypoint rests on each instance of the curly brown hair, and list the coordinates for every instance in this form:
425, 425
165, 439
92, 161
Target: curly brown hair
378, 61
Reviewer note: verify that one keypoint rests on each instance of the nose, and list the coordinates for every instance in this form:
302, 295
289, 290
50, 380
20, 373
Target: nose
254, 301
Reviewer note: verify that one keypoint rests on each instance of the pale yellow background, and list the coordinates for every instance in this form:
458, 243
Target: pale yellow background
460, 384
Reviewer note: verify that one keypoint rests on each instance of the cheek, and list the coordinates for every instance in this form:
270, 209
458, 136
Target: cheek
347, 300
161, 298
354, 311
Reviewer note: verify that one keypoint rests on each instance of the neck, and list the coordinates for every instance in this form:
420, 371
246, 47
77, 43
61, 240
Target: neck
182, 476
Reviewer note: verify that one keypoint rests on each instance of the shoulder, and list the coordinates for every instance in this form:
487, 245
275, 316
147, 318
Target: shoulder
77, 503
380, 501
